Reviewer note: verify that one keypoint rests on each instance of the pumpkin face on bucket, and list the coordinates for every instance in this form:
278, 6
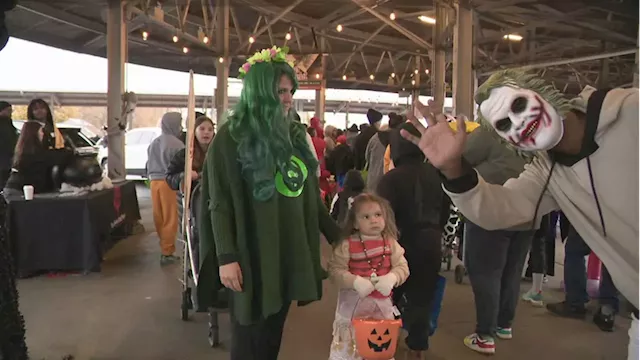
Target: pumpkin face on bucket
376, 339
380, 339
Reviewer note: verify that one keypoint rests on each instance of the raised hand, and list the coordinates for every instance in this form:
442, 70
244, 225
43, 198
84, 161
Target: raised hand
442, 146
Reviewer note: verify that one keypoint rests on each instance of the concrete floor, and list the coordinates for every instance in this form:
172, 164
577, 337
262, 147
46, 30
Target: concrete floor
130, 311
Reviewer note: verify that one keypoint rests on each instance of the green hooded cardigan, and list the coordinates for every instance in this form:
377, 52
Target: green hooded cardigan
276, 242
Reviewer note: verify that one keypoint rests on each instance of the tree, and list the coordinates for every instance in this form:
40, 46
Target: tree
60, 113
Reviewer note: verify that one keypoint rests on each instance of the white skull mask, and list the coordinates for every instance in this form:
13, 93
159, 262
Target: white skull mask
523, 118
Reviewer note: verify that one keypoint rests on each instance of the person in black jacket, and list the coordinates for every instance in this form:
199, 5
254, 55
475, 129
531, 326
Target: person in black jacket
39, 110
414, 190
362, 140
340, 161
353, 186
33, 163
204, 133
8, 140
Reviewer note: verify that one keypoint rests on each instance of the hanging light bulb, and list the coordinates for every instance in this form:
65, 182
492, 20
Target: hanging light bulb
317, 76
145, 35
288, 36
339, 28
175, 38
393, 75
221, 60
426, 71
413, 82
392, 16
344, 77
371, 77
415, 71
185, 49
205, 40
251, 40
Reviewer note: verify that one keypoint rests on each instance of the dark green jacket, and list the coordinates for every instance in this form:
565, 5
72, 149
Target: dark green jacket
495, 162
276, 242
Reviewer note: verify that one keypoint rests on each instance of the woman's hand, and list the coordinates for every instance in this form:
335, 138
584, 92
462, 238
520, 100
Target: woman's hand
231, 276
442, 146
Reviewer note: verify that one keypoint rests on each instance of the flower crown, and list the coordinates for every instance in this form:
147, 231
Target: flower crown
275, 54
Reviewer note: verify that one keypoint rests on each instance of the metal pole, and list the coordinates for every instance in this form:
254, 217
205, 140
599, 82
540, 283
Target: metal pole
568, 61
438, 58
462, 64
116, 35
222, 68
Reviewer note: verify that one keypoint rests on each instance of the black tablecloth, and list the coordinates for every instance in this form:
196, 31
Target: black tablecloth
70, 232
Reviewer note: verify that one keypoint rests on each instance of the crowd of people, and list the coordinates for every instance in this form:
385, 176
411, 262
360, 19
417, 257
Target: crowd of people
530, 158
509, 174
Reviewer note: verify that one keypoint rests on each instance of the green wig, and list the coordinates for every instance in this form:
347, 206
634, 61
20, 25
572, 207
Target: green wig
267, 137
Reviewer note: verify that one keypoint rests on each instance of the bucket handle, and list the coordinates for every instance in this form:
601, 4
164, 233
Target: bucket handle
358, 303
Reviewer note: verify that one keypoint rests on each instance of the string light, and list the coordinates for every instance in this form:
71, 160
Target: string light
288, 36
205, 40
413, 82
426, 71
339, 28
175, 38
145, 35
415, 71
392, 16
251, 40
220, 60
371, 77
317, 76
393, 75
344, 77
185, 49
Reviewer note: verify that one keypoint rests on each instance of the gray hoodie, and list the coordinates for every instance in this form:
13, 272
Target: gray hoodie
164, 147
613, 173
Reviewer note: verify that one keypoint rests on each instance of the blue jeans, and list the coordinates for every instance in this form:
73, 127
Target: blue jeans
575, 275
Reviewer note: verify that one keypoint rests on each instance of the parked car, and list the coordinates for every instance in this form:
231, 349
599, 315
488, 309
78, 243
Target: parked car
74, 136
136, 142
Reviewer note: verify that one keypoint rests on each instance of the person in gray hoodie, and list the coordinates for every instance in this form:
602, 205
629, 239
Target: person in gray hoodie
165, 208
374, 154
585, 164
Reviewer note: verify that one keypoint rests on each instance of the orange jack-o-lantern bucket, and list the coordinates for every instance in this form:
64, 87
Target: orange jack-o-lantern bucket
376, 339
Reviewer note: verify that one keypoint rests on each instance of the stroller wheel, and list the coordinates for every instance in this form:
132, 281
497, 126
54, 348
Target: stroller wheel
214, 331
459, 274
186, 304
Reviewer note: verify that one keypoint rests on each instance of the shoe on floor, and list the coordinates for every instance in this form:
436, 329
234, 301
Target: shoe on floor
567, 310
481, 344
168, 259
504, 333
534, 298
604, 322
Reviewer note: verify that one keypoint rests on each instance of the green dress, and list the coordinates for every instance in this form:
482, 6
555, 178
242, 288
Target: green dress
276, 242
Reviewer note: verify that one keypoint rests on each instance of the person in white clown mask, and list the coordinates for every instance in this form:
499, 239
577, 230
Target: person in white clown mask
586, 164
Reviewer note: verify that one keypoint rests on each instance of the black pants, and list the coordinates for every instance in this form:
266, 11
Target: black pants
416, 294
259, 341
494, 261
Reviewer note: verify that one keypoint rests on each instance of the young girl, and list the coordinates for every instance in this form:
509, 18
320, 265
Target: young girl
366, 265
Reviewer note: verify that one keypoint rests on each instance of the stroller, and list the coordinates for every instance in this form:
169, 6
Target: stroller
191, 261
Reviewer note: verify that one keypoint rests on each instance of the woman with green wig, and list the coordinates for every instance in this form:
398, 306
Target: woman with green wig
263, 216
